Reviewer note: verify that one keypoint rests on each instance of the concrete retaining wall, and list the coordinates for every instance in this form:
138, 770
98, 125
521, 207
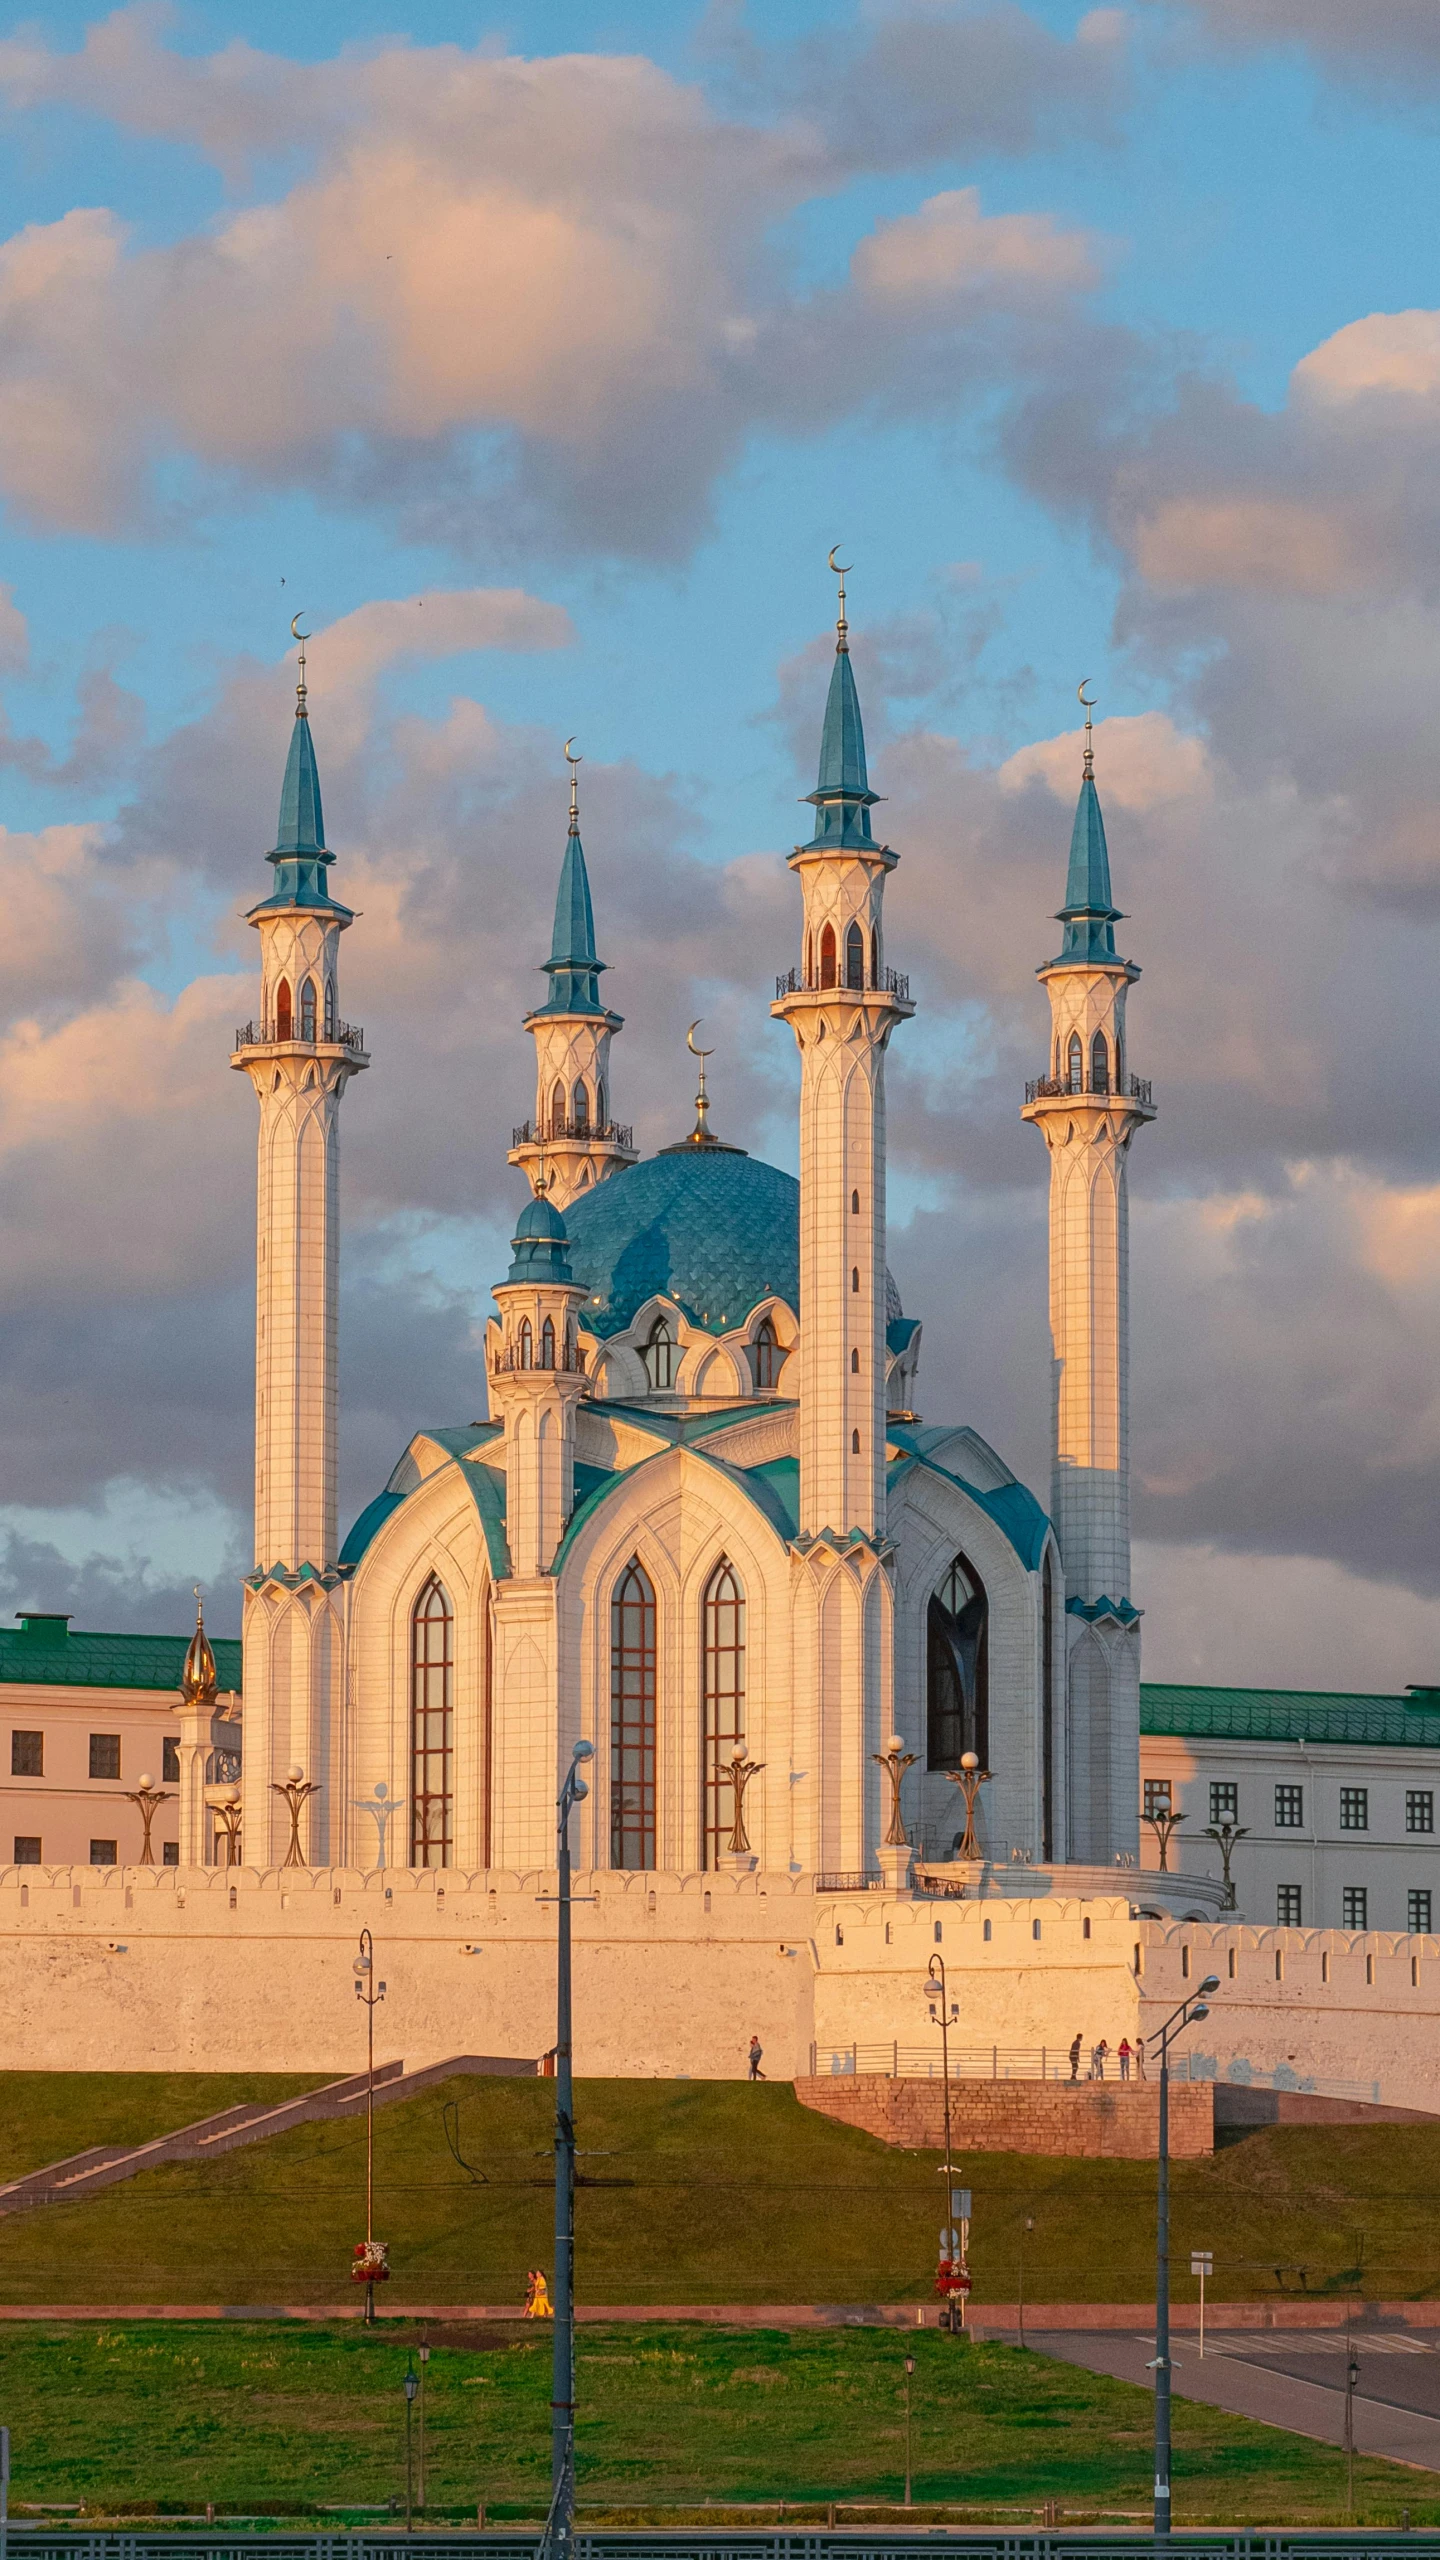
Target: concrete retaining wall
1090, 2121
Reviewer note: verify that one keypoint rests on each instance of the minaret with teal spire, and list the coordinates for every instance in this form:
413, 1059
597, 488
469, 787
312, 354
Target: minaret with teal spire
300, 1056
572, 1140
842, 1003
1089, 1107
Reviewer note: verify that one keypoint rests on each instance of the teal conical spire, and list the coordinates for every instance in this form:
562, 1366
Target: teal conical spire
842, 794
1089, 914
573, 966
299, 853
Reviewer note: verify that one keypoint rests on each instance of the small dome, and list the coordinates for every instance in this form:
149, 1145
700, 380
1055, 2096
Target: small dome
539, 1222
539, 1243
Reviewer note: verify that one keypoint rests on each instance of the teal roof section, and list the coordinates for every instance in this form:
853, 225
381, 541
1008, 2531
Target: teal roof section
299, 854
715, 1231
44, 1648
539, 1244
1368, 1717
842, 797
1012, 1507
1089, 914
364, 1530
573, 967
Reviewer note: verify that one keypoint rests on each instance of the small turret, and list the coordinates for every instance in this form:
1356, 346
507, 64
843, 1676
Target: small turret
537, 1377
572, 1136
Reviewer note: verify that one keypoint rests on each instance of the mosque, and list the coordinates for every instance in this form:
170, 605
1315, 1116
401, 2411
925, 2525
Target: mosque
705, 1526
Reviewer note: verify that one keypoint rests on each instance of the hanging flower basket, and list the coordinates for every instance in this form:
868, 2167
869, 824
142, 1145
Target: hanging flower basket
371, 2262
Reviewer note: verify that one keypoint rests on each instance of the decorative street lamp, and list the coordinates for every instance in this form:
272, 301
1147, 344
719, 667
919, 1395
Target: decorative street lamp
382, 1807
1227, 1833
227, 1815
148, 1798
372, 2263
944, 2008
557, 2541
909, 2370
424, 2352
1162, 1824
740, 1771
296, 1791
412, 2385
969, 1778
895, 1760
1189, 2014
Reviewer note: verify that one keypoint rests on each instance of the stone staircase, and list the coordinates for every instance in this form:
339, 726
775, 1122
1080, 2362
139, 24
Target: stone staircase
232, 2127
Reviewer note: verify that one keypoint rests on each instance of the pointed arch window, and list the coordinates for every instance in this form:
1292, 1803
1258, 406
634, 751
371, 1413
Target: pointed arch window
1076, 1078
557, 1112
632, 1720
599, 1102
958, 1668
874, 957
432, 1728
855, 957
724, 1643
1099, 1064
827, 956
307, 1010
580, 1107
547, 1343
659, 1356
283, 1017
329, 1008
527, 1344
765, 1357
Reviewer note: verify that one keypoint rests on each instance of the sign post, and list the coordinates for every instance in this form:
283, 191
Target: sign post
1202, 2264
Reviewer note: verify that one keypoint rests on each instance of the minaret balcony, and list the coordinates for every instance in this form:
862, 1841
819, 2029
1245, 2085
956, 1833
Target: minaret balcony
590, 1133
1134, 1090
513, 1362
891, 982
269, 1035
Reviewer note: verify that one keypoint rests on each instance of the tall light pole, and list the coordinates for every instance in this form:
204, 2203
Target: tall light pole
909, 2370
424, 2361
412, 2385
1027, 2223
1189, 2014
372, 1993
558, 2540
941, 2007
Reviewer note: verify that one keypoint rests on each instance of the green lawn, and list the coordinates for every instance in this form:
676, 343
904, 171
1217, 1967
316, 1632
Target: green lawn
698, 2192
264, 2419
49, 2115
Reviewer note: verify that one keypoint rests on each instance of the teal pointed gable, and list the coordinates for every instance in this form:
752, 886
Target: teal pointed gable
299, 852
1089, 914
573, 967
842, 796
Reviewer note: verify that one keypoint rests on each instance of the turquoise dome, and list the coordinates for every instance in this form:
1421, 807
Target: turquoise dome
539, 1243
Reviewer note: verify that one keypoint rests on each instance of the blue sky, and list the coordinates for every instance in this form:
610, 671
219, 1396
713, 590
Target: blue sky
1006, 300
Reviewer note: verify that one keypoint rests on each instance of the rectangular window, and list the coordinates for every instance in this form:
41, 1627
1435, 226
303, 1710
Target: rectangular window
1289, 1808
102, 1853
104, 1755
1224, 1800
1354, 1808
1287, 1906
1419, 1809
27, 1755
1157, 1797
170, 1760
27, 1850
1417, 1914
1354, 1905
169, 1853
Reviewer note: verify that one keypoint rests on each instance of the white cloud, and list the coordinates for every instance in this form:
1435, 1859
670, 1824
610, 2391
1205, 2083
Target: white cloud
1142, 761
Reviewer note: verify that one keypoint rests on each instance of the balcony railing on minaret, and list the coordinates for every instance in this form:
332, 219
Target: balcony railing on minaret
266, 1035
1051, 1088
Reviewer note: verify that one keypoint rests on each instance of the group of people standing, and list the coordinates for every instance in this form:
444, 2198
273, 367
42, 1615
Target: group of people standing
1127, 2057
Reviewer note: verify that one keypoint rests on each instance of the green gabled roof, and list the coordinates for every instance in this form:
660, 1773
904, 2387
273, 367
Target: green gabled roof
1292, 1715
1012, 1507
44, 1648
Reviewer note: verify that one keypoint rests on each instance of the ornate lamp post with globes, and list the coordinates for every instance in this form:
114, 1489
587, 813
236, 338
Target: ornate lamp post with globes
1189, 2014
147, 1798
371, 2263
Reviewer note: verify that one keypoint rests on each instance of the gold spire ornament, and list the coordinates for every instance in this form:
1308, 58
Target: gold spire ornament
700, 1134
1089, 767
199, 1679
842, 627
574, 762
302, 636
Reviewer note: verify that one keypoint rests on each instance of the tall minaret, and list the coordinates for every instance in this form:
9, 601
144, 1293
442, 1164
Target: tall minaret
572, 1136
842, 1004
1089, 1107
299, 1056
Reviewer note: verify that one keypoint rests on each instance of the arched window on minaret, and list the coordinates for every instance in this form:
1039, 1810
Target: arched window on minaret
432, 1727
329, 1008
557, 1112
547, 1343
659, 1355
282, 1010
632, 1720
827, 956
1077, 1064
580, 1109
307, 1010
599, 1104
724, 1647
527, 1344
765, 1358
855, 957
874, 957
1099, 1064
958, 1669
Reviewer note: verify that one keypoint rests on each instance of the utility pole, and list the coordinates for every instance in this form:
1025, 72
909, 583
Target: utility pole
1352, 2376
909, 2369
372, 1993
424, 2362
412, 2385
1189, 2014
557, 2542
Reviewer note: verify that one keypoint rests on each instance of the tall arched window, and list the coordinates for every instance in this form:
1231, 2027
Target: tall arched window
580, 1107
659, 1355
307, 1010
874, 957
1048, 1713
765, 1358
527, 1344
599, 1102
632, 1720
1077, 1064
1099, 1064
854, 957
547, 1343
724, 1639
557, 1112
282, 1010
958, 1688
329, 1008
432, 1728
827, 956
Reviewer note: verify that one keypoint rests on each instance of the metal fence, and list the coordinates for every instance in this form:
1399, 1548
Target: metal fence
687, 2542
895, 2061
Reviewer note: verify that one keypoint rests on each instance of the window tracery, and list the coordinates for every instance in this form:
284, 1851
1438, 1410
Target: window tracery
958, 1668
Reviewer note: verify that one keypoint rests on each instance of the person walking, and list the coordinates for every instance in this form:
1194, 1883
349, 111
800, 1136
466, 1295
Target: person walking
1075, 2052
1097, 2060
1139, 2057
756, 2051
1124, 2057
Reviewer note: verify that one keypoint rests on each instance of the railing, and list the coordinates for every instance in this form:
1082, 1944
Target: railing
265, 1035
891, 982
569, 1359
854, 2535
847, 1883
1048, 1088
895, 2061
615, 1133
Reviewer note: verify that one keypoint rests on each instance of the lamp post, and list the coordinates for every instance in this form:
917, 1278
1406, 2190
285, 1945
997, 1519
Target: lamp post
296, 1790
1027, 2223
740, 1770
1225, 1834
424, 2361
1352, 2376
1162, 1824
909, 2370
945, 2009
1189, 2014
372, 1993
969, 1778
412, 2385
227, 1815
147, 1798
558, 2539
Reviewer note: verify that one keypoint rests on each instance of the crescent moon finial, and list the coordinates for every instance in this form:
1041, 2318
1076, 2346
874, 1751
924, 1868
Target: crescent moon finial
690, 1039
1089, 703
572, 762
842, 627
700, 1134
302, 637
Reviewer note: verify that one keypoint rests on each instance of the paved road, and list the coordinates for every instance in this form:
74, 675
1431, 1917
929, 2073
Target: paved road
1293, 2379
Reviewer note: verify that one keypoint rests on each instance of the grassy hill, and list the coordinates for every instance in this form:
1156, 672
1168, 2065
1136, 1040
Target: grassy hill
694, 2192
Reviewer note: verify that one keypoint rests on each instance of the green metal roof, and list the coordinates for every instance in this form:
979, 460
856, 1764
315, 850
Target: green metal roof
1292, 1715
46, 1648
